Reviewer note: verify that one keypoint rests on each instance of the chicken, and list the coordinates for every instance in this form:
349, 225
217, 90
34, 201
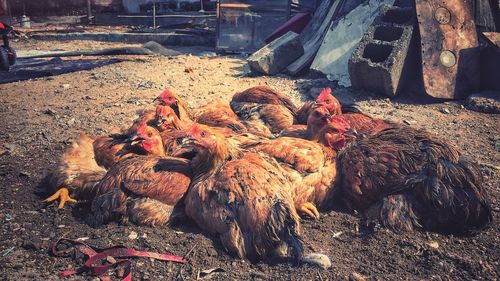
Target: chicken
407, 179
79, 169
110, 150
142, 189
77, 172
362, 123
265, 111
217, 113
241, 197
310, 166
318, 118
326, 99
167, 97
167, 120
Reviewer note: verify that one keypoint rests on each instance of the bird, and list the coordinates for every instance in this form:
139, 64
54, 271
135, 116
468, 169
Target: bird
168, 97
141, 189
310, 166
218, 113
407, 179
79, 171
76, 173
240, 197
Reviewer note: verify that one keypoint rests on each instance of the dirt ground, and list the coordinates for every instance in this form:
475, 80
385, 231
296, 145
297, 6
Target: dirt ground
40, 117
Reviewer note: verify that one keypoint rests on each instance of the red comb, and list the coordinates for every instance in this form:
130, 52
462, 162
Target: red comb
141, 130
326, 91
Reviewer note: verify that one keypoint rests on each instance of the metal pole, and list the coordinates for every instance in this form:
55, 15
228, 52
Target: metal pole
201, 10
154, 14
89, 11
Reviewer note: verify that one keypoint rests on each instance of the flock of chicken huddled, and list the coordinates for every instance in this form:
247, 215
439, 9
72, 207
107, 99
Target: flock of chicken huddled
245, 170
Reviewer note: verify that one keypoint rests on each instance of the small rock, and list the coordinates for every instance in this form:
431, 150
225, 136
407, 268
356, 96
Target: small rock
110, 259
409, 122
445, 110
433, 244
486, 102
50, 112
34, 244
65, 86
133, 235
24, 174
357, 277
71, 122
323, 261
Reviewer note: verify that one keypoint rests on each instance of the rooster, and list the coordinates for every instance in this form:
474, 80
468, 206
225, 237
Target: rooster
406, 179
326, 99
239, 196
168, 97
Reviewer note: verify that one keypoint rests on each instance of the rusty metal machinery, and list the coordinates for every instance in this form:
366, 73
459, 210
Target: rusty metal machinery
449, 46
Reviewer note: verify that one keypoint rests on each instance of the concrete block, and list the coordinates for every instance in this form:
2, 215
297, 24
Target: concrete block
277, 55
379, 61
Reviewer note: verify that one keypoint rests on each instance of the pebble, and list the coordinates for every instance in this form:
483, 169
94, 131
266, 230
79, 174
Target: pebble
355, 276
66, 86
433, 244
409, 122
445, 110
50, 111
320, 260
133, 235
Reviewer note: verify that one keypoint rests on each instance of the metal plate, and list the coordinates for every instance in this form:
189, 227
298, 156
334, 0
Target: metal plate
450, 54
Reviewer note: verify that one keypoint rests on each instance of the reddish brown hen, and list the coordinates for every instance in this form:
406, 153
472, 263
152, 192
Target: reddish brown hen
168, 97
110, 150
144, 190
77, 173
218, 113
264, 110
405, 178
241, 197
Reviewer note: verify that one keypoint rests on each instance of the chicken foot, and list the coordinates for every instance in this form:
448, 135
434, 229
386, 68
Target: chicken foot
63, 195
309, 209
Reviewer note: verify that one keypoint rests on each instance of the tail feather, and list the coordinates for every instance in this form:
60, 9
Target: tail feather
284, 226
456, 195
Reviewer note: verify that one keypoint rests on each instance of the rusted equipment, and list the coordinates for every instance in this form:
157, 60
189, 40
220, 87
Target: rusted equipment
450, 54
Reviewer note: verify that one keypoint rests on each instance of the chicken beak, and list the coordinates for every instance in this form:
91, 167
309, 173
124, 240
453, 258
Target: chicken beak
157, 100
135, 140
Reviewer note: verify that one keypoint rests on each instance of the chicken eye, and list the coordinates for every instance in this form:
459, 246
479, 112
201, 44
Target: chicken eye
150, 134
317, 114
202, 134
327, 101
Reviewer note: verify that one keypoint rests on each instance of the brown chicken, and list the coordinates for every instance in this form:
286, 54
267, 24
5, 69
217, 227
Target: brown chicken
218, 113
77, 172
171, 99
264, 110
110, 150
240, 196
167, 120
325, 98
310, 165
318, 118
362, 123
406, 179
142, 189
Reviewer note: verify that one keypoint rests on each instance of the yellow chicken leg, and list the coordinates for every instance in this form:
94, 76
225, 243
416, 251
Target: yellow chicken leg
310, 210
63, 195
